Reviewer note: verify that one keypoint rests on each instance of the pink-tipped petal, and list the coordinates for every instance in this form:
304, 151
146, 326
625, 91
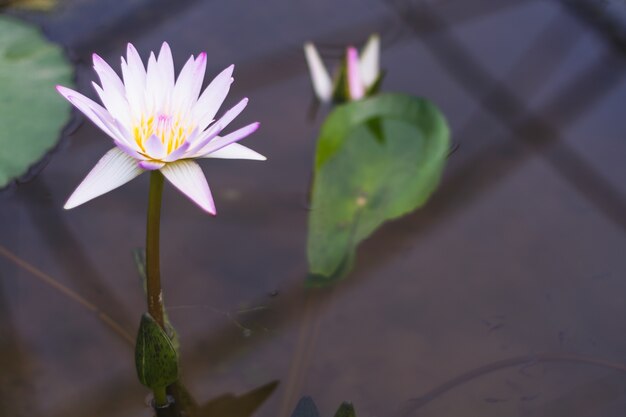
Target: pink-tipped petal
134, 60
155, 148
220, 125
320, 78
95, 112
113, 170
212, 98
235, 151
189, 179
355, 85
150, 165
232, 113
221, 142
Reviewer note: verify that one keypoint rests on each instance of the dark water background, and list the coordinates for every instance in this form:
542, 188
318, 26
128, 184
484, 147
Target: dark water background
520, 253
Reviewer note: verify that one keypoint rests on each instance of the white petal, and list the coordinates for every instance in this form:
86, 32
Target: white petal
322, 83
221, 142
235, 151
166, 65
212, 98
114, 169
108, 77
189, 83
370, 61
134, 61
134, 75
189, 179
115, 103
154, 86
155, 148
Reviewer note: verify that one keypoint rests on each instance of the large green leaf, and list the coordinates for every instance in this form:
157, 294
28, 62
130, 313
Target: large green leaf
32, 113
377, 159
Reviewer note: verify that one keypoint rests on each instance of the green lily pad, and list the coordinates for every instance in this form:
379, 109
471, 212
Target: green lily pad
32, 113
377, 159
156, 359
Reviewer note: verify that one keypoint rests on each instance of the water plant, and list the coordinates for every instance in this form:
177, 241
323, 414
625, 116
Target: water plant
379, 156
160, 124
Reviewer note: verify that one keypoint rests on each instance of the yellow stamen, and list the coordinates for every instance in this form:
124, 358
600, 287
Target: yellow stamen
171, 130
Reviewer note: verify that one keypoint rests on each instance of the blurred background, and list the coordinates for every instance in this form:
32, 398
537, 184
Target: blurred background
504, 295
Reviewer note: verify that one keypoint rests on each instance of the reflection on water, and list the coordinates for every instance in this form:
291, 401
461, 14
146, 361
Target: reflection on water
503, 296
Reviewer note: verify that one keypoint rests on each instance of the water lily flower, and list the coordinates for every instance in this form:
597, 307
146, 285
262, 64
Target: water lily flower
361, 73
159, 122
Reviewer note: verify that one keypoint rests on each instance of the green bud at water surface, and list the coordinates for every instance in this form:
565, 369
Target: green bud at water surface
156, 359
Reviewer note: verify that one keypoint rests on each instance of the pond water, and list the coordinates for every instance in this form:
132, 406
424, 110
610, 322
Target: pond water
503, 296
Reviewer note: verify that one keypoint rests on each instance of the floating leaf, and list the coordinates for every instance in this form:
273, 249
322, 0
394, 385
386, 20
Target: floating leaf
31, 111
377, 159
346, 410
156, 359
306, 408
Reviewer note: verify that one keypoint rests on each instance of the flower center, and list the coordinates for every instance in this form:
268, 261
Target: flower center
171, 130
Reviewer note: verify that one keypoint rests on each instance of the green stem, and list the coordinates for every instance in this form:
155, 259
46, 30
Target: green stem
153, 270
160, 397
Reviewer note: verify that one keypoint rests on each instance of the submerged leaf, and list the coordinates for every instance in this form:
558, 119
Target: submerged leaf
139, 256
229, 405
37, 5
156, 359
377, 159
238, 406
306, 408
31, 111
346, 410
